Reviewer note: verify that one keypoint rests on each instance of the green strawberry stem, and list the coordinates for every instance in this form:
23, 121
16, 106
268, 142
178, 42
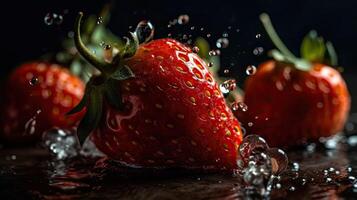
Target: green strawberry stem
283, 54
265, 19
104, 87
313, 48
101, 65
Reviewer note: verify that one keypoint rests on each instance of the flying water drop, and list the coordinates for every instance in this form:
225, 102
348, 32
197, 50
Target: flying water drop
227, 86
251, 69
33, 81
145, 31
222, 43
183, 19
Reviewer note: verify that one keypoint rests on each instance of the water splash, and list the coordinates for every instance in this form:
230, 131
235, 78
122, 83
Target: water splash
259, 165
62, 144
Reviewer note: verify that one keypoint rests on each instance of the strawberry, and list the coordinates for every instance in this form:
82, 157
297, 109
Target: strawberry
37, 96
157, 106
292, 100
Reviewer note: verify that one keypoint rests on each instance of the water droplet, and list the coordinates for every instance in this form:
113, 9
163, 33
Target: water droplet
303, 181
62, 144
250, 124
222, 43
48, 19
226, 71
228, 86
225, 34
251, 145
33, 81
251, 69
183, 19
349, 169
328, 180
145, 31
100, 20
292, 188
279, 160
53, 18
107, 47
192, 28
295, 167
195, 49
258, 36
258, 51
239, 106
208, 35
278, 186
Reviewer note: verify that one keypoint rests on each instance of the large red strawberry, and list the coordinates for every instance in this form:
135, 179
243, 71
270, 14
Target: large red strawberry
291, 100
35, 98
156, 105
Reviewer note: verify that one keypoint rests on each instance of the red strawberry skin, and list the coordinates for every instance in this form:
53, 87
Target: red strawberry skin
29, 109
176, 116
289, 107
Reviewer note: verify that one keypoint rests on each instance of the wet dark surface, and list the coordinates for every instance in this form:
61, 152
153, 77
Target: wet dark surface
30, 174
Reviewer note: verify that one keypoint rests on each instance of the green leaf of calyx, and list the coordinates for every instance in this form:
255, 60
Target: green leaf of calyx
313, 47
93, 115
113, 96
79, 107
123, 73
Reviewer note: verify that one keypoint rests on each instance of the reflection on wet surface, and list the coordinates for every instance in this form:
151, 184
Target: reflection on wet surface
317, 171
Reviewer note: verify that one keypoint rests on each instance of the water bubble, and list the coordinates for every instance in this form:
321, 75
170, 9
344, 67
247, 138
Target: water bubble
239, 106
328, 180
227, 86
295, 167
352, 141
214, 52
145, 31
107, 47
251, 69
100, 20
222, 43
183, 19
48, 19
303, 181
208, 35
62, 144
251, 145
53, 18
225, 34
258, 51
226, 71
349, 169
292, 188
278, 185
250, 124
210, 64
195, 49
192, 28
70, 34
279, 160
258, 36
351, 179
33, 81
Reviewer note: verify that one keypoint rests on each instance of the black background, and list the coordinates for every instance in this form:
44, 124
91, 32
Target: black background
25, 36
